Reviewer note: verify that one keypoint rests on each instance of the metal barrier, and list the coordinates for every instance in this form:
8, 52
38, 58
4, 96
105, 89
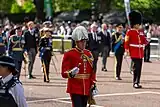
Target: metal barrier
62, 44
155, 46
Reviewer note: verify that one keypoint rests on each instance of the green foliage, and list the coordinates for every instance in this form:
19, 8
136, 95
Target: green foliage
68, 5
15, 8
28, 6
5, 5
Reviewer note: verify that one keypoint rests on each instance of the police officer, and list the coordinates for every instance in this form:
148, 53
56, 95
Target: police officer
134, 46
11, 89
118, 47
45, 48
77, 67
16, 48
3, 42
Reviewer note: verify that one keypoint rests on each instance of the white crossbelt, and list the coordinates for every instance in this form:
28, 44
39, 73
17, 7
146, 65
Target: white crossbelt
139, 46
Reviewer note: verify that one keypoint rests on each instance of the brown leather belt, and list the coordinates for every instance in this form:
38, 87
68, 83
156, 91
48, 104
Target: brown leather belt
82, 76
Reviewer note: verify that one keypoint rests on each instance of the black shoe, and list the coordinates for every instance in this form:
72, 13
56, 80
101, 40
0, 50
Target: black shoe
104, 69
31, 77
149, 61
118, 78
137, 86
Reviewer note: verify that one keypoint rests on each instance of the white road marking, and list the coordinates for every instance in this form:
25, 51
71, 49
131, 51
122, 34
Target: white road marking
100, 95
121, 94
57, 100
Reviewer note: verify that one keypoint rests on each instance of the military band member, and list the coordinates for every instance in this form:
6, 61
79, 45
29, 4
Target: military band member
134, 46
3, 42
118, 47
78, 68
45, 48
16, 48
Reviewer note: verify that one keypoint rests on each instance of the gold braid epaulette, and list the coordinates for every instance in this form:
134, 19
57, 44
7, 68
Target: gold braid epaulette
90, 60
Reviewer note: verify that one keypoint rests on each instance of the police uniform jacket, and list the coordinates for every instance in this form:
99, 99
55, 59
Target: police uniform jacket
82, 82
16, 91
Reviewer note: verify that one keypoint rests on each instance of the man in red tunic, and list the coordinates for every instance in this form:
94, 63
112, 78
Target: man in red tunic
78, 68
134, 46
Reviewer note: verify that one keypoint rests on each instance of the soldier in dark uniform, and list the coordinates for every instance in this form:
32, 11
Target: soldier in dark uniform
3, 42
16, 48
118, 47
45, 48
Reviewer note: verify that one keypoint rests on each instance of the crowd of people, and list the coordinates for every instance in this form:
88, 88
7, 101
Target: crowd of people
23, 42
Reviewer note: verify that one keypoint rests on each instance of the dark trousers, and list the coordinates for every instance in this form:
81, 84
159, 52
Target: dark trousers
18, 65
137, 66
31, 59
79, 100
95, 54
119, 58
131, 66
46, 59
105, 51
147, 53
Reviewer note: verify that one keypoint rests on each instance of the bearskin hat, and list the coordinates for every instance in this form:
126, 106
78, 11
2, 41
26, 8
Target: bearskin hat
135, 18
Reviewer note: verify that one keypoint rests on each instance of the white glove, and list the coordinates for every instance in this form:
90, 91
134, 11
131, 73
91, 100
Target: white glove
74, 71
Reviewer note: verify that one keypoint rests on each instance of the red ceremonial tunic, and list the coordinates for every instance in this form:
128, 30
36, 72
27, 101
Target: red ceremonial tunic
82, 82
135, 42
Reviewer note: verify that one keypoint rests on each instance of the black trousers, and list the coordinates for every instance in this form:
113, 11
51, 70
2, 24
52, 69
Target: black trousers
46, 59
147, 53
137, 66
79, 100
18, 65
119, 59
95, 54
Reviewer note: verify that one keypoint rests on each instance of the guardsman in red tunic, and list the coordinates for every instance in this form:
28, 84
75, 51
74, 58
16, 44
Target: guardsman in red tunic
78, 68
134, 46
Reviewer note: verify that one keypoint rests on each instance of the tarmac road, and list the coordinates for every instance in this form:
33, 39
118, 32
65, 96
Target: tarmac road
112, 93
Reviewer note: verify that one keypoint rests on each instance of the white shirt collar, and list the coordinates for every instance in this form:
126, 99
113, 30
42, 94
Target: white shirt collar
7, 78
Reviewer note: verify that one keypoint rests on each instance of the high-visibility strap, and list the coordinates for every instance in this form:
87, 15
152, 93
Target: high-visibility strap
138, 46
17, 49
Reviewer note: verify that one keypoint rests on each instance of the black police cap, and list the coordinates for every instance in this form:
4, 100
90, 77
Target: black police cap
7, 60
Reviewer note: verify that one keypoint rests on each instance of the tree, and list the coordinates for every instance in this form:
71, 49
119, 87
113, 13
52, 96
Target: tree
5, 5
